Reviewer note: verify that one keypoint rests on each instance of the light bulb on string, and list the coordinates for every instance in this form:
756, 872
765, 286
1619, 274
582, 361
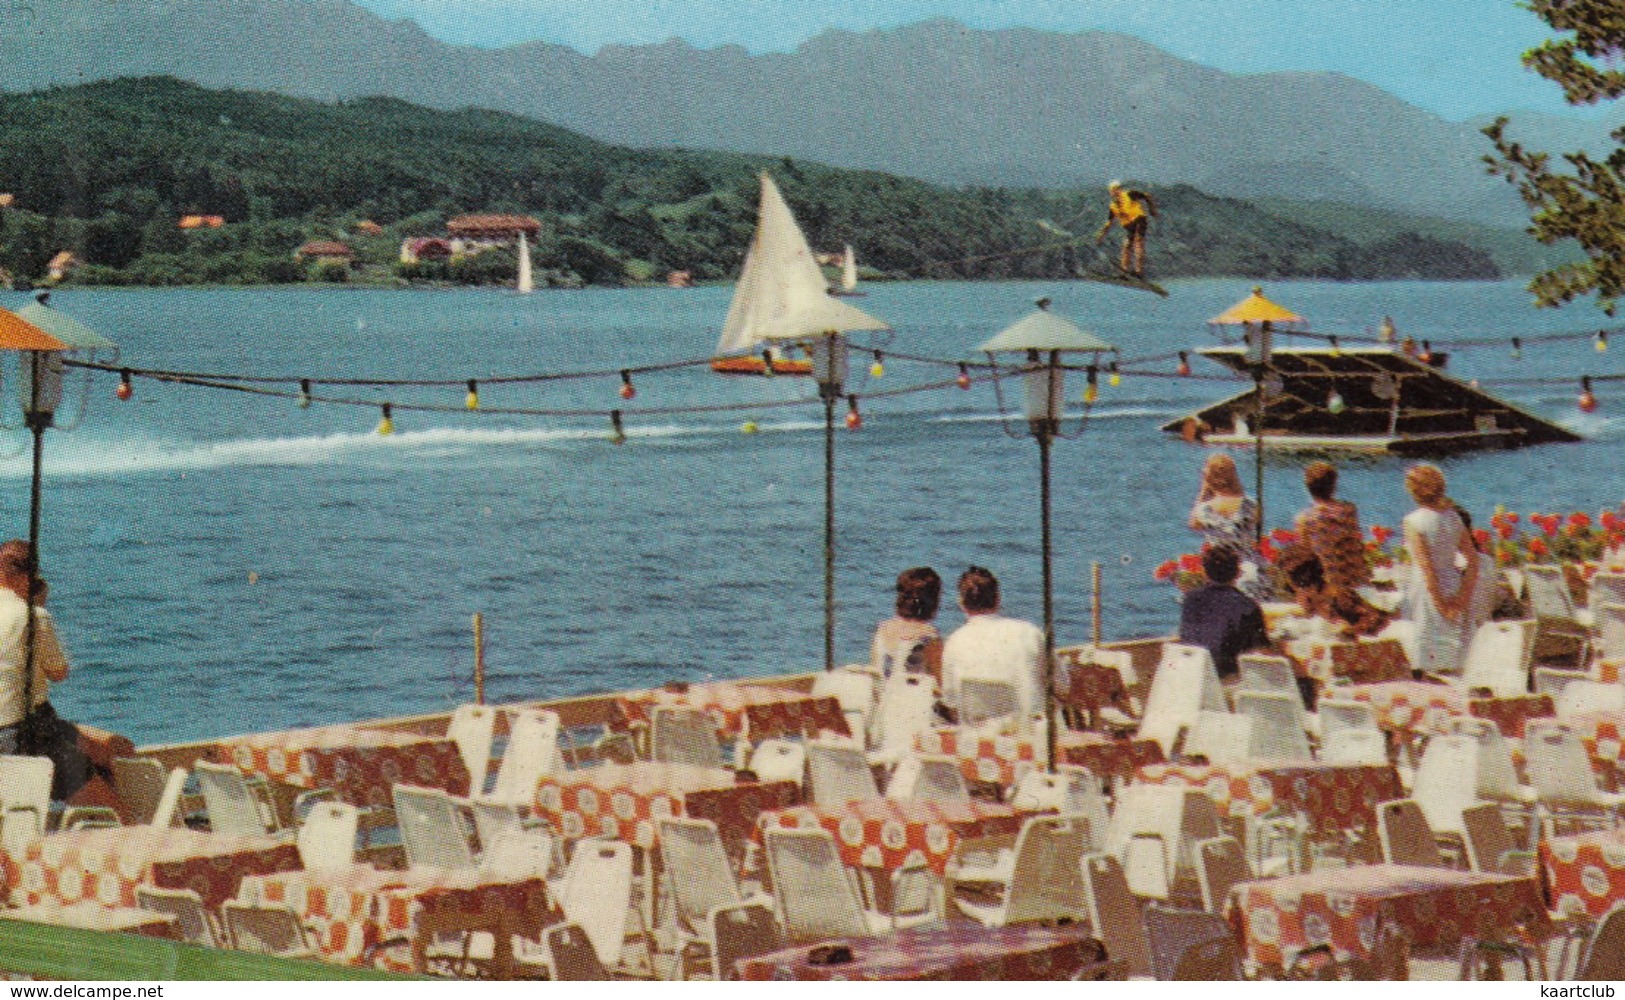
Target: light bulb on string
1588, 400
1116, 377
963, 381
1426, 357
1601, 343
1337, 349
749, 427
1517, 348
386, 425
628, 390
1335, 403
878, 369
854, 419
473, 399
1184, 368
617, 431
304, 394
125, 388
767, 364
1091, 385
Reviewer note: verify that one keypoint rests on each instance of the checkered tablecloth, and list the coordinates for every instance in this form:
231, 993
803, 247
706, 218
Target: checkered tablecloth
956, 953
350, 910
1584, 873
1511, 713
623, 801
893, 834
1346, 907
104, 865
1408, 706
1366, 661
740, 709
360, 765
1332, 797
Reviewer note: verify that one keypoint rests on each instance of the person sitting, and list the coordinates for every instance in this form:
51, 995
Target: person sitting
51, 736
991, 647
1349, 614
899, 641
1220, 618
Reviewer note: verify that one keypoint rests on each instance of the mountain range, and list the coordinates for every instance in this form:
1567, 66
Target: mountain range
934, 100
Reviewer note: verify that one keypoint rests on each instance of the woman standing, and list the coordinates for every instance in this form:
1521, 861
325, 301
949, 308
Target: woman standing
1439, 594
1228, 519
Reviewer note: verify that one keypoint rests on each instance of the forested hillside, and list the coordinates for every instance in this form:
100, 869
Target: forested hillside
106, 170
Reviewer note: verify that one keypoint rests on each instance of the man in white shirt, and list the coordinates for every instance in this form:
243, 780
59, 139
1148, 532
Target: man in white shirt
991, 647
50, 663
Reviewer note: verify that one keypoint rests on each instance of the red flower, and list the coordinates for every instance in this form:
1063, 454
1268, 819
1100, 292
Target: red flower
1190, 563
1381, 533
1548, 523
1267, 550
1579, 519
1281, 536
1537, 546
1504, 529
1166, 570
1481, 537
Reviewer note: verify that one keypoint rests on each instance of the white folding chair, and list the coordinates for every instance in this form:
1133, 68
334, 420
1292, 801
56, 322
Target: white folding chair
684, 736
1186, 683
326, 839
854, 691
1588, 697
1498, 657
905, 711
266, 930
1610, 644
1337, 715
1559, 768
1220, 737
25, 800
700, 881
817, 896
473, 729
1044, 880
235, 806
1278, 732
1115, 914
1406, 837
837, 773
596, 894
532, 753
1607, 588
434, 832
982, 701
779, 760
928, 779
1446, 780
1355, 746
191, 919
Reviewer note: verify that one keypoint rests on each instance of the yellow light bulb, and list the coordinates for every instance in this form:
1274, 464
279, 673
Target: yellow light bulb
749, 427
1090, 394
473, 401
1115, 379
877, 369
386, 427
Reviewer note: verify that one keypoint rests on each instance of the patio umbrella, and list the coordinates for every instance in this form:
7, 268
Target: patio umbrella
1259, 316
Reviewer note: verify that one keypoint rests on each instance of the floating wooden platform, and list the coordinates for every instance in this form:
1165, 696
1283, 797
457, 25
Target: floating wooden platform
1392, 404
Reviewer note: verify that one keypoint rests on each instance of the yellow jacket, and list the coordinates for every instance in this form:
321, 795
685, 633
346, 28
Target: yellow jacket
1128, 206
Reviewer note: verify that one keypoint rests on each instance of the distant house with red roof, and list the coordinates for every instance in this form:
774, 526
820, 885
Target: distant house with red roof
60, 265
324, 250
200, 222
367, 227
472, 233
420, 248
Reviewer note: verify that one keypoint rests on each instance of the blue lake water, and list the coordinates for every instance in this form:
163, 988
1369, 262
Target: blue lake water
223, 563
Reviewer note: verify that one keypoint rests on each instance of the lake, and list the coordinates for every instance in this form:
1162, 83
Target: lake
222, 563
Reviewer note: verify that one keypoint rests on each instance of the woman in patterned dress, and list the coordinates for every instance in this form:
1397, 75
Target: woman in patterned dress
1228, 519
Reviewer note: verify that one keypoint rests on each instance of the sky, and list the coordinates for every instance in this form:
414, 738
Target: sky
1457, 58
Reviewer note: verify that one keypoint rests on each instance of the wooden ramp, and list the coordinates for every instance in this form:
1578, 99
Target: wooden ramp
1391, 404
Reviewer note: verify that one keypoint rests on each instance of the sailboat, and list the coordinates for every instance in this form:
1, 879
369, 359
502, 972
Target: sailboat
781, 296
849, 276
524, 285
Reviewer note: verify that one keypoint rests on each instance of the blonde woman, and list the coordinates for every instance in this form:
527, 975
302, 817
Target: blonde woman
1228, 519
1439, 593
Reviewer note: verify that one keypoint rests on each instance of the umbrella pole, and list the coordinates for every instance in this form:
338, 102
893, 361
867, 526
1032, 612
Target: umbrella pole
1258, 453
1044, 439
829, 393
36, 424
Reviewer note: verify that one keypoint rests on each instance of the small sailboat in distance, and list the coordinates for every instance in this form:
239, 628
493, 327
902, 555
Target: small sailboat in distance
849, 276
524, 285
781, 295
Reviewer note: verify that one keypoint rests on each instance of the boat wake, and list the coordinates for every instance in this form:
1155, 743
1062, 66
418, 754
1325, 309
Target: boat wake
1099, 413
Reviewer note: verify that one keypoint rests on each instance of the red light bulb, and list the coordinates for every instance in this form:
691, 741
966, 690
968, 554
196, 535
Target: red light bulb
124, 391
627, 392
1588, 402
854, 420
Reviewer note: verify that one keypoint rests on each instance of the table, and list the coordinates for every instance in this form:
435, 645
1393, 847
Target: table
89, 916
956, 952
360, 765
1585, 872
1361, 661
623, 801
1333, 797
1407, 706
1346, 908
1511, 713
892, 834
753, 711
104, 865
353, 909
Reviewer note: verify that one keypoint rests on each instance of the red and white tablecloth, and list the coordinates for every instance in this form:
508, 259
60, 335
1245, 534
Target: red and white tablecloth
1332, 796
349, 910
749, 710
892, 834
959, 952
1408, 706
1365, 661
623, 801
1347, 907
1107, 756
360, 765
1002, 759
1585, 872
104, 865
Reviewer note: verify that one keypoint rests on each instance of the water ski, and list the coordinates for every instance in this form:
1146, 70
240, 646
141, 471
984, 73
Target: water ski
1123, 279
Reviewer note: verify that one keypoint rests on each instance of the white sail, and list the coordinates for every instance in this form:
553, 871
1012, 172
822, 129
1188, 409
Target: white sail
524, 287
782, 294
849, 270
